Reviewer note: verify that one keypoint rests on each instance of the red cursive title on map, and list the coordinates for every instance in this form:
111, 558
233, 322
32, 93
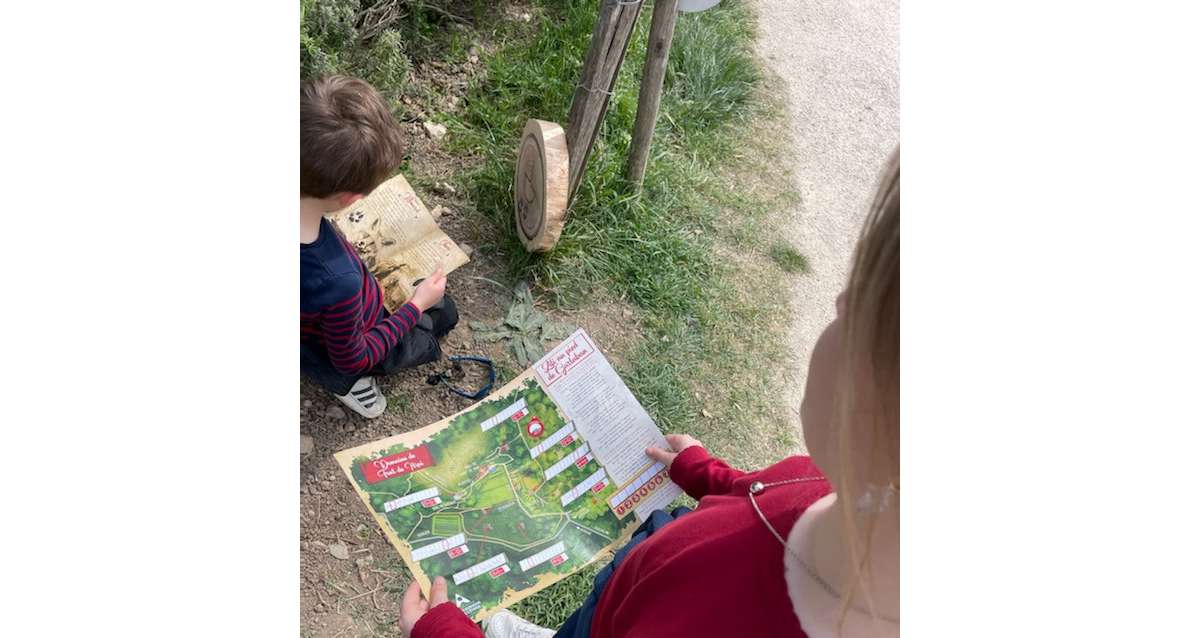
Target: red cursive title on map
566, 357
386, 467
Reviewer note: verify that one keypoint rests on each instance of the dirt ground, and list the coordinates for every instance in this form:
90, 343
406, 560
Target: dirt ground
351, 578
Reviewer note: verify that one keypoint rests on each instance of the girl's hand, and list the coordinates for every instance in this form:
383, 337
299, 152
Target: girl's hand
414, 604
678, 443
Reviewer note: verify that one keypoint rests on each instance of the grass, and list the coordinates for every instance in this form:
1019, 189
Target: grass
693, 252
788, 258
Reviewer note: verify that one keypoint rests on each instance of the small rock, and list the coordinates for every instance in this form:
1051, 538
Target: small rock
406, 99
706, 413
445, 189
452, 102
525, 16
307, 403
339, 550
467, 250
434, 130
666, 339
311, 513
438, 211
334, 412
627, 313
474, 51
319, 608
473, 59
364, 562
306, 444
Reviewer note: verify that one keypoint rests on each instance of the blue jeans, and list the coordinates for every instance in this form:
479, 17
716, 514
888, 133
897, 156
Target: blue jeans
579, 624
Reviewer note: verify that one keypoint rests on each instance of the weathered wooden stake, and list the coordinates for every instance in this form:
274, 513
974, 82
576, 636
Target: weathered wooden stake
610, 38
658, 47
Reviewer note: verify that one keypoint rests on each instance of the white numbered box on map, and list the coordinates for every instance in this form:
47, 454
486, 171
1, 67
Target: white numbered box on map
565, 435
447, 544
579, 458
515, 411
594, 483
495, 566
427, 498
556, 554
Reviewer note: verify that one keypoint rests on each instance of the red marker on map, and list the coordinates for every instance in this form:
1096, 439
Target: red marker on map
567, 440
499, 571
558, 560
457, 551
599, 486
430, 502
583, 460
535, 427
519, 414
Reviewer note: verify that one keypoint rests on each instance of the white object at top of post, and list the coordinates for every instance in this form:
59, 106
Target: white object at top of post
693, 6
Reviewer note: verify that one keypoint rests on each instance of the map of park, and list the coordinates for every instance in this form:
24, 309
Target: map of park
507, 497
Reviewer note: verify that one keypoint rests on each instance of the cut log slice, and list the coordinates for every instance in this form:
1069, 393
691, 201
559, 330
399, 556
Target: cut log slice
542, 184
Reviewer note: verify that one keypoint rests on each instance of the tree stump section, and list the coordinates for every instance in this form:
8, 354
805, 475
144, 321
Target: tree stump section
542, 184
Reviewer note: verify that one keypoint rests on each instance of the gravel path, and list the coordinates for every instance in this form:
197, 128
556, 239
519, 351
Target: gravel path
837, 64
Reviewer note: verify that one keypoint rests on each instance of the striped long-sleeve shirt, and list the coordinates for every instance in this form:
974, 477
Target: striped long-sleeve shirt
341, 305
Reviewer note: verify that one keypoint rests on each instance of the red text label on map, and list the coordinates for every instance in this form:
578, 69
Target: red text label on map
395, 465
564, 358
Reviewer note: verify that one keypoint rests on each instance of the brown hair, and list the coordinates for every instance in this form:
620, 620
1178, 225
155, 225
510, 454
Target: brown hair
868, 396
349, 141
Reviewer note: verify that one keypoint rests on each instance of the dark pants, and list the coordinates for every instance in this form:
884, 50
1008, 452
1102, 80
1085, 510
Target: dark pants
419, 345
579, 624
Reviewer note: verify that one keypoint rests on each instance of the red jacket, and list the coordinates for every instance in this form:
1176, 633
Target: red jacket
715, 572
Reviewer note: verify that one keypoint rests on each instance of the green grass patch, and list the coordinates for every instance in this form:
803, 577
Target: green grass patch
694, 250
447, 524
712, 319
788, 258
490, 491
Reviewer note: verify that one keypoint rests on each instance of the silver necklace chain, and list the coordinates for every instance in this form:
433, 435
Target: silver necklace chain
758, 487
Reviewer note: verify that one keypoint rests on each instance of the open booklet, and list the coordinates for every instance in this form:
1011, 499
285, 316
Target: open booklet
521, 489
397, 239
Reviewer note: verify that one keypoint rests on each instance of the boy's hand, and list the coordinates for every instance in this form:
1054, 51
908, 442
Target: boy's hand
678, 443
431, 291
414, 604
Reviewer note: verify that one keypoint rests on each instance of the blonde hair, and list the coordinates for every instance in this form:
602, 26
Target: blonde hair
867, 398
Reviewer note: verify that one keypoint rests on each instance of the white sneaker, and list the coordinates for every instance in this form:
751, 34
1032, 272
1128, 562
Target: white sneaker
505, 624
365, 398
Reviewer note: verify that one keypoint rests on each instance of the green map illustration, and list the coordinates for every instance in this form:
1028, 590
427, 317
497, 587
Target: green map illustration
502, 501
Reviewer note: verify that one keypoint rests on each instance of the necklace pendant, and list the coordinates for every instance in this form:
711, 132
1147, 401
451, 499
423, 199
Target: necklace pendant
757, 487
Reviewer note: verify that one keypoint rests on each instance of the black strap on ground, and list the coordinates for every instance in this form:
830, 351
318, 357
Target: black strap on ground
456, 370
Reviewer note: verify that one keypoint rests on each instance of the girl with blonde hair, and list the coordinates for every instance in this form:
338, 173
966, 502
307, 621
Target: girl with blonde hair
809, 546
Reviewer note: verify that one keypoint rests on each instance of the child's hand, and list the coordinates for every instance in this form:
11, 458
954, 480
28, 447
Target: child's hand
414, 604
431, 291
678, 443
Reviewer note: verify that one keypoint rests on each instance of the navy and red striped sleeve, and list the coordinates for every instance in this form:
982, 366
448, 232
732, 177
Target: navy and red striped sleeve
353, 348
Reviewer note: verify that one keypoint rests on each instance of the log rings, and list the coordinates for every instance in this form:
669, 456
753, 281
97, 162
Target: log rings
541, 185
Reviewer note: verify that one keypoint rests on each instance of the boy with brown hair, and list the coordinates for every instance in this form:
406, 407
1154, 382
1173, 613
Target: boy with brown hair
349, 144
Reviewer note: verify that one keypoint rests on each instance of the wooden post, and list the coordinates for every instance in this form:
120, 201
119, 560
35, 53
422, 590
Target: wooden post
658, 47
610, 38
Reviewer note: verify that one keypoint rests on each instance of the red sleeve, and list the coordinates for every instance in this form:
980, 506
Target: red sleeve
446, 621
700, 474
